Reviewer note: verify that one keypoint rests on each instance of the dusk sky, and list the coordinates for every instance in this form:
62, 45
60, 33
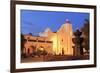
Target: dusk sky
33, 21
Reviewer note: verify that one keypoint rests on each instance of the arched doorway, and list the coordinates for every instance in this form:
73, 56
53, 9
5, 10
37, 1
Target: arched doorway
62, 51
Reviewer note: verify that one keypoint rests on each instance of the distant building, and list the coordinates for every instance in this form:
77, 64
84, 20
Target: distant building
56, 43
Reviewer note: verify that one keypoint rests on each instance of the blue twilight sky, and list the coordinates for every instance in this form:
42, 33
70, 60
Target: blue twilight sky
33, 21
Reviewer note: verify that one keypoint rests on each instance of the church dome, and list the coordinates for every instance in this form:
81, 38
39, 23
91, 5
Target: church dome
67, 21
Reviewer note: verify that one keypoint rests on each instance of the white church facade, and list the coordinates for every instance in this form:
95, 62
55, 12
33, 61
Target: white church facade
58, 43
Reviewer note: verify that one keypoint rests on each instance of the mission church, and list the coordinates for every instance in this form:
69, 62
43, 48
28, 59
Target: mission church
55, 43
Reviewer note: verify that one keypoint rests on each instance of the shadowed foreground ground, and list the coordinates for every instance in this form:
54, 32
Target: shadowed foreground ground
53, 58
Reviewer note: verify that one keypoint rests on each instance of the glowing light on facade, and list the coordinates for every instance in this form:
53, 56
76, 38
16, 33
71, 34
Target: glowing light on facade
61, 40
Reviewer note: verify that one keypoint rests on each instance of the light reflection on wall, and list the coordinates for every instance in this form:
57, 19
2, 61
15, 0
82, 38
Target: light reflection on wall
54, 39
